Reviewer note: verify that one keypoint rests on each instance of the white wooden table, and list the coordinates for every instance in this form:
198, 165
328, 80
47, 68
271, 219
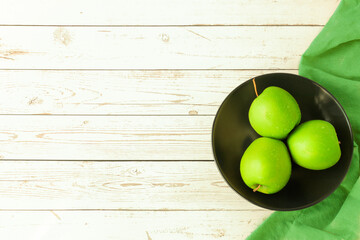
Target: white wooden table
107, 107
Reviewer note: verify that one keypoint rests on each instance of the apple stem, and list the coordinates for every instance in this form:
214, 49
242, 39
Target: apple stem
339, 142
255, 87
254, 190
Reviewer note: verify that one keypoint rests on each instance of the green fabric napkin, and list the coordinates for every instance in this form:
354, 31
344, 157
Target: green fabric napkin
333, 60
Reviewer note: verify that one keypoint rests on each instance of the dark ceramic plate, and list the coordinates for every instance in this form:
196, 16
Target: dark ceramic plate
232, 134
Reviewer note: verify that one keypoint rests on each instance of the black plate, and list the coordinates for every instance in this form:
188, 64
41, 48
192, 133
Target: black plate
232, 134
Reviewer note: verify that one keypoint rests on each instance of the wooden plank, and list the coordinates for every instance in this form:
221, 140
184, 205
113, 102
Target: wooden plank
135, 225
116, 185
160, 12
106, 138
175, 92
240, 47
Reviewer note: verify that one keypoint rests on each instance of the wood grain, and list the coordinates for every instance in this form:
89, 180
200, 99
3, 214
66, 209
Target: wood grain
116, 185
106, 138
163, 12
55, 58
174, 92
94, 225
240, 47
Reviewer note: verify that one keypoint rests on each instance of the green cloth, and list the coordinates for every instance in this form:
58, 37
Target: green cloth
333, 60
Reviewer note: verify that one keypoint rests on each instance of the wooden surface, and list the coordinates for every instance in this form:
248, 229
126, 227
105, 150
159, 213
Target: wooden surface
216, 47
106, 109
114, 224
164, 12
135, 92
125, 185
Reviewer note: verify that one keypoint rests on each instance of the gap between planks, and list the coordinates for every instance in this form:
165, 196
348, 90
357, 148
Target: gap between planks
147, 69
105, 160
134, 210
109, 115
170, 25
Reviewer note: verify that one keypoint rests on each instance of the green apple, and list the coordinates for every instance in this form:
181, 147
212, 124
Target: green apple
274, 113
266, 165
314, 145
